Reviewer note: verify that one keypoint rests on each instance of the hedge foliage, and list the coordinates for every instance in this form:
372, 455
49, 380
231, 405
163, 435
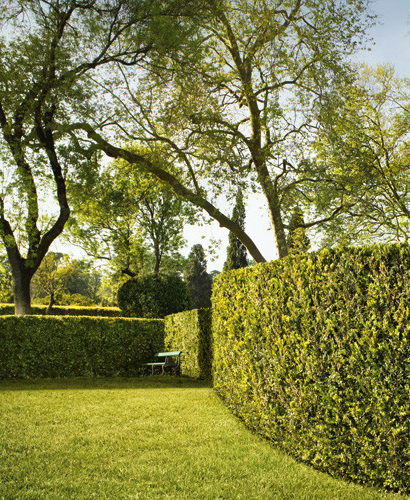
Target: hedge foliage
63, 346
111, 312
153, 296
191, 333
313, 352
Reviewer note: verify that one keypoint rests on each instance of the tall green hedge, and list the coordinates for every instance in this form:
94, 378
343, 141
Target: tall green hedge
191, 332
111, 312
63, 346
313, 352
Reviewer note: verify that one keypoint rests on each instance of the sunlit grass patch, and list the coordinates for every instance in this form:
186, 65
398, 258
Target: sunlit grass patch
149, 438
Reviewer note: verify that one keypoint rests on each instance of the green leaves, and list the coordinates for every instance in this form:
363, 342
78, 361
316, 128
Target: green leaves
111, 312
313, 352
191, 332
364, 144
153, 296
128, 218
198, 281
38, 346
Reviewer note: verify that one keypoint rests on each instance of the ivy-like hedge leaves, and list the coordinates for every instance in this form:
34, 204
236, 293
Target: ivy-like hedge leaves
313, 352
64, 346
191, 333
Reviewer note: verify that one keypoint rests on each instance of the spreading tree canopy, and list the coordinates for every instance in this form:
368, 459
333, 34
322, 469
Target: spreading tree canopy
51, 54
239, 103
364, 144
123, 216
226, 92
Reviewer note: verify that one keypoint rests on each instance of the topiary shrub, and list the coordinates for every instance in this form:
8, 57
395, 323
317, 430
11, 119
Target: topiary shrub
153, 296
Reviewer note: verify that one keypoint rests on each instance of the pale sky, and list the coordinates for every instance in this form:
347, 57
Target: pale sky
391, 35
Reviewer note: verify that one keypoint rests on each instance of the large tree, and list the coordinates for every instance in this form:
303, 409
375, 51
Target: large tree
50, 52
214, 92
239, 104
364, 143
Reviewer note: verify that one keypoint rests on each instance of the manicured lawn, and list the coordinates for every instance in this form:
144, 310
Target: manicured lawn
149, 438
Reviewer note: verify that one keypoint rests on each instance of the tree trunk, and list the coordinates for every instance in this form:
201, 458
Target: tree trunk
158, 256
278, 229
272, 199
21, 289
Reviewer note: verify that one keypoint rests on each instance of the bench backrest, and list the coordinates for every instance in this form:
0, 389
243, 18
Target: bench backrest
165, 354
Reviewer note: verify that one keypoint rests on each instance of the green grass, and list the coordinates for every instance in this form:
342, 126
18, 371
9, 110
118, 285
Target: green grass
148, 438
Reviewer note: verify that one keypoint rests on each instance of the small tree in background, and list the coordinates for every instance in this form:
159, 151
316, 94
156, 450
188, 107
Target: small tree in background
51, 277
297, 240
199, 282
63, 280
129, 219
236, 253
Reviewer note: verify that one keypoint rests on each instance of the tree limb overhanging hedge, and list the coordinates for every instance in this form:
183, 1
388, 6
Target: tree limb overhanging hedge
313, 353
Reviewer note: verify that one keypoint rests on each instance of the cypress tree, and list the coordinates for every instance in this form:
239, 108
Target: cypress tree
236, 252
198, 281
297, 241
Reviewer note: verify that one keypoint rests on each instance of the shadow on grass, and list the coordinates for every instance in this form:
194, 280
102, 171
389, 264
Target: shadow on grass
104, 383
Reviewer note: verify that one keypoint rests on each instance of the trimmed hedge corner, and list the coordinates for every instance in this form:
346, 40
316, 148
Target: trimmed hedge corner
65, 346
105, 312
313, 352
191, 332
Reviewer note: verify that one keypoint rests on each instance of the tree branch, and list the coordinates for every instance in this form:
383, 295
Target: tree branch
170, 180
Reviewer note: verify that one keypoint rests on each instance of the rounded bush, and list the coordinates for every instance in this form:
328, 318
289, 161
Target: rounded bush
153, 296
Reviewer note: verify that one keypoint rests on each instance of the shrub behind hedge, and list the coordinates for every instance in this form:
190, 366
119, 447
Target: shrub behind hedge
111, 312
191, 332
47, 346
153, 296
314, 353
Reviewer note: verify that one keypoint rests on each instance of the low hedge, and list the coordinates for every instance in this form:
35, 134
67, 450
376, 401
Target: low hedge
313, 353
64, 346
191, 332
110, 312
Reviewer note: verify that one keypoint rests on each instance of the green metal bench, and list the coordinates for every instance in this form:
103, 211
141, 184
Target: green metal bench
168, 361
